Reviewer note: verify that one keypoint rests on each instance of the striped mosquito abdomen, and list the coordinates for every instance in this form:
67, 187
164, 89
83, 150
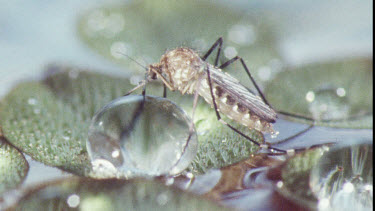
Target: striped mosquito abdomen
230, 106
182, 69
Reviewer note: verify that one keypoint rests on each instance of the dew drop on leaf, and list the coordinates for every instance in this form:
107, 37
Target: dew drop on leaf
343, 178
131, 137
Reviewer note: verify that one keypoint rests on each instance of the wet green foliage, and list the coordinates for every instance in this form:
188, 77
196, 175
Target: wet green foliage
13, 167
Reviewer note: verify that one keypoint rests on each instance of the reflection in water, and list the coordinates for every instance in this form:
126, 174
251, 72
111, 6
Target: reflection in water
244, 185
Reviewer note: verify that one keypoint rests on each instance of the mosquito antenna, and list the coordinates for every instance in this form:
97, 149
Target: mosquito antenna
132, 59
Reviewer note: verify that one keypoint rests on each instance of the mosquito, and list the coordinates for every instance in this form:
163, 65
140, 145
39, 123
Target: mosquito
183, 70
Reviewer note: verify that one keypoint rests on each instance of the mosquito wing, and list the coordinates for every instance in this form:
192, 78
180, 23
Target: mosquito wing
242, 95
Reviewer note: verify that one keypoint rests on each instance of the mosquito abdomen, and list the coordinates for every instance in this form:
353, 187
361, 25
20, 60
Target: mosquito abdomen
234, 110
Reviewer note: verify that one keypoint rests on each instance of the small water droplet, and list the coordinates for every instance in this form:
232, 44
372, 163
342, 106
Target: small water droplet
104, 23
279, 184
115, 153
73, 200
264, 73
142, 141
32, 101
328, 103
96, 20
341, 92
310, 96
118, 49
343, 176
115, 23
169, 181
274, 134
189, 175
230, 52
162, 199
242, 34
103, 168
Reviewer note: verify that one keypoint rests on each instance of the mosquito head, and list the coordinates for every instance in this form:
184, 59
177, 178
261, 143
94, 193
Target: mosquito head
152, 72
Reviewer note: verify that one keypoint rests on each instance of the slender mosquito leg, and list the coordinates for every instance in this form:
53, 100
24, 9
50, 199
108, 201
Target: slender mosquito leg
191, 127
294, 136
227, 124
136, 114
164, 91
249, 74
297, 116
218, 42
227, 63
141, 84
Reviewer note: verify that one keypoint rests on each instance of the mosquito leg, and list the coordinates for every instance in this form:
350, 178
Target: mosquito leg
218, 42
141, 84
227, 124
227, 63
138, 111
294, 136
191, 127
297, 116
164, 91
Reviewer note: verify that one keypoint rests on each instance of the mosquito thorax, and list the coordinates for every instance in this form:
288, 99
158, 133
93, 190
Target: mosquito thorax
180, 68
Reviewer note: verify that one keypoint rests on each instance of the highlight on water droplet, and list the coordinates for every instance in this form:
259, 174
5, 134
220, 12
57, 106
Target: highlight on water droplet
32, 101
104, 23
343, 177
141, 138
118, 49
230, 52
73, 200
242, 34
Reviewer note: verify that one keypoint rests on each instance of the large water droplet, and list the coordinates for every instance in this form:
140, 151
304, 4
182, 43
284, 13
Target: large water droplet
328, 103
343, 178
141, 138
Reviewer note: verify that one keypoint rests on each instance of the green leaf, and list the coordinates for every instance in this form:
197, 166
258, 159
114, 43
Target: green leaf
88, 194
144, 30
336, 94
49, 120
13, 167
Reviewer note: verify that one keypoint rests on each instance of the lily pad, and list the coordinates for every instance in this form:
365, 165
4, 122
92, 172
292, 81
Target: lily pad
335, 94
88, 194
143, 30
13, 166
49, 120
